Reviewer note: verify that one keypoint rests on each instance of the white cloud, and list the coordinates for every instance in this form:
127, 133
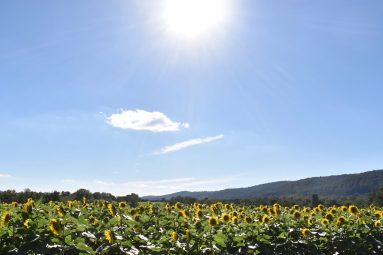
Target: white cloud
143, 120
188, 143
5, 175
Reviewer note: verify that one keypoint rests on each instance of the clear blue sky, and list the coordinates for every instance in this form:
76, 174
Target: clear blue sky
98, 94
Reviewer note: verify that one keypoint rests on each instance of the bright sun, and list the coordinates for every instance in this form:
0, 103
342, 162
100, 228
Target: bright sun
193, 19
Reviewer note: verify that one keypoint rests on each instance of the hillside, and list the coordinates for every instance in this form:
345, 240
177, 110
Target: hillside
337, 185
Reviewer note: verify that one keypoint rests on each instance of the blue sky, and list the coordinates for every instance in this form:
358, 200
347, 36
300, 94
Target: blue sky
100, 95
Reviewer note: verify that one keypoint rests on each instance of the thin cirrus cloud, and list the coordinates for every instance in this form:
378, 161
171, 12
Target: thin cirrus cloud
188, 143
5, 175
144, 121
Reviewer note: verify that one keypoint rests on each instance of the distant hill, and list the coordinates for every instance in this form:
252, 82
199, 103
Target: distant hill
360, 184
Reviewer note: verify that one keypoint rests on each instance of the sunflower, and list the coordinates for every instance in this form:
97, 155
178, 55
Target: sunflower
306, 232
342, 219
234, 220
248, 220
5, 218
109, 236
184, 213
297, 214
14, 204
174, 236
27, 223
178, 206
353, 209
329, 216
112, 210
55, 227
122, 205
213, 209
343, 208
277, 207
27, 207
199, 214
265, 219
225, 218
213, 221
377, 223
60, 210
70, 204
325, 221
187, 235
378, 214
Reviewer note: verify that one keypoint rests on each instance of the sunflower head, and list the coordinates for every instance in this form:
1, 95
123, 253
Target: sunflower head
122, 205
174, 236
213, 221
296, 214
342, 219
234, 220
306, 232
225, 218
5, 218
187, 235
27, 223
55, 227
199, 214
109, 236
325, 221
184, 213
27, 207
329, 216
265, 219
112, 210
70, 204
59, 211
271, 211
377, 223
178, 205
353, 209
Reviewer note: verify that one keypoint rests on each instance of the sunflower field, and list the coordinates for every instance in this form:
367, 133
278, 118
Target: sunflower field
101, 227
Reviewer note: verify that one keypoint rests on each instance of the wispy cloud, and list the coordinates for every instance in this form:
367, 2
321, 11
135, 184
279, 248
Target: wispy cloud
144, 120
5, 175
188, 143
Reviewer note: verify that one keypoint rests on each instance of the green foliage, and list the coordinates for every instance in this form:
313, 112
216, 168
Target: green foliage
91, 227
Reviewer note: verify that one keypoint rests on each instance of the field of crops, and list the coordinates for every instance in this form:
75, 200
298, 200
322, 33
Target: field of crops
100, 227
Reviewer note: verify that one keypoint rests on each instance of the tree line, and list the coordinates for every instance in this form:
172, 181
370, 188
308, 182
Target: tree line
9, 196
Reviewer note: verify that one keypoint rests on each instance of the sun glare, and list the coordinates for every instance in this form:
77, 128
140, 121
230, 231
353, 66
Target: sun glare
192, 19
